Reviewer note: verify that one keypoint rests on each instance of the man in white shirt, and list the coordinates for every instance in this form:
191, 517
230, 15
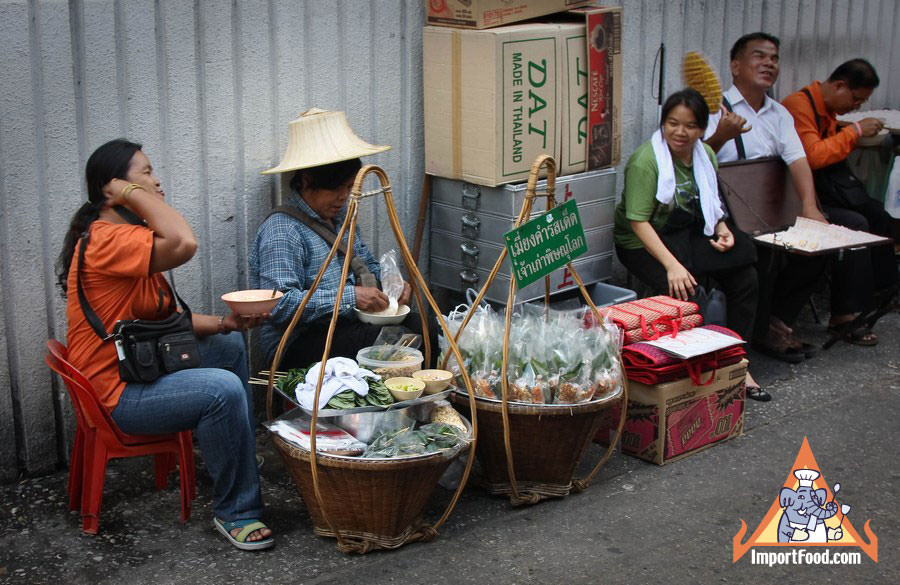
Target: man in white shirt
752, 125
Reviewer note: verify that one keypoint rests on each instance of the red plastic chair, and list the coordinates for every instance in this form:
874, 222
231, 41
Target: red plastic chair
98, 439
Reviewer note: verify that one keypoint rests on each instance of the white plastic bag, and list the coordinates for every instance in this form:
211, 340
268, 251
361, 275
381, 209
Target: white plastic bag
391, 278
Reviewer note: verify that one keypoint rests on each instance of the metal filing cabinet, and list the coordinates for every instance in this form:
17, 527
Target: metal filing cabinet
468, 222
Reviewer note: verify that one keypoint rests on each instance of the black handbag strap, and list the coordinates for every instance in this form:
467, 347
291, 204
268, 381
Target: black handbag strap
739, 141
89, 314
357, 264
822, 131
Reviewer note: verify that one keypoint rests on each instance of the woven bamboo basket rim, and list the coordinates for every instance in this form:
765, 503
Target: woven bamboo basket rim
419, 288
496, 405
531, 194
415, 533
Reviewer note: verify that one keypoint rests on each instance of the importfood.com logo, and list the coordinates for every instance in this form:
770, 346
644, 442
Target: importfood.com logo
806, 514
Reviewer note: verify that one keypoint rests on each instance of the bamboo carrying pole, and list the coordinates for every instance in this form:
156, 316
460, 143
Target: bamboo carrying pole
419, 287
517, 497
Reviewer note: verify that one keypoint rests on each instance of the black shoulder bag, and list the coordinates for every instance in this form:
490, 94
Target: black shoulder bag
836, 184
363, 275
146, 349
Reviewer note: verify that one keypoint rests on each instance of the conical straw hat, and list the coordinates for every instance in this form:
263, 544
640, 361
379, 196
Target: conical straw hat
320, 137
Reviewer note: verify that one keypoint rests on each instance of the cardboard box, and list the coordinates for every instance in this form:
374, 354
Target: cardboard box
496, 99
491, 101
479, 14
666, 422
591, 129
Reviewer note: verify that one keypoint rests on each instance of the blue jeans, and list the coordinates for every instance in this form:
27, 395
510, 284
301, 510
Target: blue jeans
214, 401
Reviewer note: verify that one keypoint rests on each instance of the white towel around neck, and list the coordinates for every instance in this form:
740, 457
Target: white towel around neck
704, 175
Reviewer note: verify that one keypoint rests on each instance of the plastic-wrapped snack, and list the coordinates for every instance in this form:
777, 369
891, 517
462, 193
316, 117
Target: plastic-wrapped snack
528, 387
565, 359
606, 364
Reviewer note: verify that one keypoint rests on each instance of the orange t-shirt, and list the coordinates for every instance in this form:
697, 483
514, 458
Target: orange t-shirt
117, 285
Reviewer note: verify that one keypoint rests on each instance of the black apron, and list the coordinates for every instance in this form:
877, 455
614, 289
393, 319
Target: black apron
683, 235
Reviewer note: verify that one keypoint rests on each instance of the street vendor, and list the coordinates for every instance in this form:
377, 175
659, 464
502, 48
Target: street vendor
670, 226
323, 157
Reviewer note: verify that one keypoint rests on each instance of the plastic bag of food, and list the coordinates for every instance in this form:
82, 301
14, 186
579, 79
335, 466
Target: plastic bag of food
605, 339
329, 438
483, 340
453, 319
407, 442
391, 279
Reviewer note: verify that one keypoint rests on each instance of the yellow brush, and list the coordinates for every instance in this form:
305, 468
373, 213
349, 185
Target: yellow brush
698, 75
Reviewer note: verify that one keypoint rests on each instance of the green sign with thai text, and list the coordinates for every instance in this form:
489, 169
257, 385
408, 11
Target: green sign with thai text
546, 243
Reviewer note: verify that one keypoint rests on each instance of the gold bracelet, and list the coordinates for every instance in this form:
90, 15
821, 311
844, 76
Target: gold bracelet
127, 189
221, 325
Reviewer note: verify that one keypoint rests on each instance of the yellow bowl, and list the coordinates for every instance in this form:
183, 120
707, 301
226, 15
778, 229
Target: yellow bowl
404, 388
435, 380
252, 301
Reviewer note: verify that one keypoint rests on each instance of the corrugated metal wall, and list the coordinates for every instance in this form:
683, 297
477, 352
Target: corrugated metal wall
209, 87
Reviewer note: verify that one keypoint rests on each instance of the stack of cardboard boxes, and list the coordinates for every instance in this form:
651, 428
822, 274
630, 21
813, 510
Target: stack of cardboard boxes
495, 100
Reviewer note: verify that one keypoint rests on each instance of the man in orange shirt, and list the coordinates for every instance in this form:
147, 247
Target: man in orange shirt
848, 88
844, 199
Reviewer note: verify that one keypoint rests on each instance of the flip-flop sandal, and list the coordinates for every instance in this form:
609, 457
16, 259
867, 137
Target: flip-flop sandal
860, 336
248, 526
757, 393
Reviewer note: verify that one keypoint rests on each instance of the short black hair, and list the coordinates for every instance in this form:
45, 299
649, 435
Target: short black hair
330, 176
692, 100
856, 73
741, 43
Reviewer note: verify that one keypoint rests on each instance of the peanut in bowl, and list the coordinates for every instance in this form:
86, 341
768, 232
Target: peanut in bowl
435, 380
390, 361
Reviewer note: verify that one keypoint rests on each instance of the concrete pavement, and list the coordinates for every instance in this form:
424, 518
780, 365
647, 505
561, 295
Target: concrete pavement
637, 524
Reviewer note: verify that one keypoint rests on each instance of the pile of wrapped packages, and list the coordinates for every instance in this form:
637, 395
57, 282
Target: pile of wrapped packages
555, 357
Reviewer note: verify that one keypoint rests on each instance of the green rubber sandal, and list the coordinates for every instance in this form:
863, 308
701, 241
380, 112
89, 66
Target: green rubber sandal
248, 526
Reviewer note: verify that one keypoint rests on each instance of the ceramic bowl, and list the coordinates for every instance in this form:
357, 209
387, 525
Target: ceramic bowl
252, 301
435, 380
405, 388
379, 319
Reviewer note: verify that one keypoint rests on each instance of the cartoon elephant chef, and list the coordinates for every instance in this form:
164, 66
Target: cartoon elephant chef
803, 519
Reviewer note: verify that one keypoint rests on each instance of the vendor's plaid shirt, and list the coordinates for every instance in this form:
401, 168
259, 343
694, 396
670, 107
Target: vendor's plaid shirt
286, 255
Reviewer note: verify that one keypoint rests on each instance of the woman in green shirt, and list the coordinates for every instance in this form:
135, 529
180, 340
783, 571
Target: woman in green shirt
670, 225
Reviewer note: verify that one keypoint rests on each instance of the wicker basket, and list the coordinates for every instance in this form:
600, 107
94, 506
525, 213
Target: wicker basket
547, 444
369, 504
372, 503
528, 451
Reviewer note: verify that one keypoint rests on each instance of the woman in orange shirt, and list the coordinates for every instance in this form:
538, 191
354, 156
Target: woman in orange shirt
134, 237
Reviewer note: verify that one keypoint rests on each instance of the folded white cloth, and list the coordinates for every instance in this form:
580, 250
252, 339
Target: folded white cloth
340, 374
704, 175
